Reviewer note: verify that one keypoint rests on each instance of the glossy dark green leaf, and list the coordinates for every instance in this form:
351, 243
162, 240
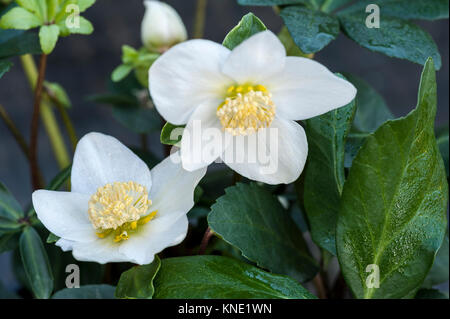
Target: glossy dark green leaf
405, 9
311, 30
439, 273
52, 238
270, 2
86, 292
18, 42
248, 26
137, 283
5, 65
221, 277
250, 218
171, 134
36, 264
430, 294
325, 175
332, 5
372, 110
394, 202
395, 38
9, 207
291, 48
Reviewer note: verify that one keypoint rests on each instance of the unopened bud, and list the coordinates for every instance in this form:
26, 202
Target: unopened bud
162, 27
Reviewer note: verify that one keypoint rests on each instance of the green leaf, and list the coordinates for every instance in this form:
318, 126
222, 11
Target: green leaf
439, 273
48, 36
405, 9
9, 207
221, 278
430, 294
85, 4
36, 264
137, 283
395, 38
86, 292
52, 238
121, 72
18, 42
269, 2
5, 65
58, 92
311, 30
291, 48
332, 5
20, 19
250, 218
85, 27
394, 202
372, 110
442, 142
171, 134
325, 174
248, 26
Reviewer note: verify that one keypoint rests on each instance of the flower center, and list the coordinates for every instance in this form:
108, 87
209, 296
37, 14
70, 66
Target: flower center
119, 209
246, 109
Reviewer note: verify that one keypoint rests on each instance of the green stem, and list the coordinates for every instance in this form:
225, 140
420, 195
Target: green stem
47, 115
200, 16
35, 122
65, 118
14, 131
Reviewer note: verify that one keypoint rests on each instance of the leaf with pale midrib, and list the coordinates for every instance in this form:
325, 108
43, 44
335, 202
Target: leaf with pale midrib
250, 218
221, 278
325, 175
393, 206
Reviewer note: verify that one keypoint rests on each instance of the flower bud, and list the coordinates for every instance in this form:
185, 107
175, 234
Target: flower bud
162, 27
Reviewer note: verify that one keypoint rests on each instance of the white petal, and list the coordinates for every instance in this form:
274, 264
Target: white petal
306, 89
101, 159
203, 139
102, 251
259, 57
173, 187
142, 248
66, 245
64, 214
185, 76
275, 155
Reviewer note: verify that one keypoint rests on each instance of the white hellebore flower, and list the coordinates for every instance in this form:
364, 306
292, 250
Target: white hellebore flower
161, 27
246, 94
118, 210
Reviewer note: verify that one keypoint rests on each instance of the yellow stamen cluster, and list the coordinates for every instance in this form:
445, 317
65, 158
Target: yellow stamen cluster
118, 209
246, 109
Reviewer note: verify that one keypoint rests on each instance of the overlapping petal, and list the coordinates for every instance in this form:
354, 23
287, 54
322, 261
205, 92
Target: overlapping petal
260, 56
274, 155
101, 159
307, 89
186, 76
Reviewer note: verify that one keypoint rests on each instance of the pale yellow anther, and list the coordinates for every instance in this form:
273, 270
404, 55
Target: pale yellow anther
246, 109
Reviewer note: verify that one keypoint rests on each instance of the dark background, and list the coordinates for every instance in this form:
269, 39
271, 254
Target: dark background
82, 65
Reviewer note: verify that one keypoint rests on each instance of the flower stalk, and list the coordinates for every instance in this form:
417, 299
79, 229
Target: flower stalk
35, 121
200, 16
47, 116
